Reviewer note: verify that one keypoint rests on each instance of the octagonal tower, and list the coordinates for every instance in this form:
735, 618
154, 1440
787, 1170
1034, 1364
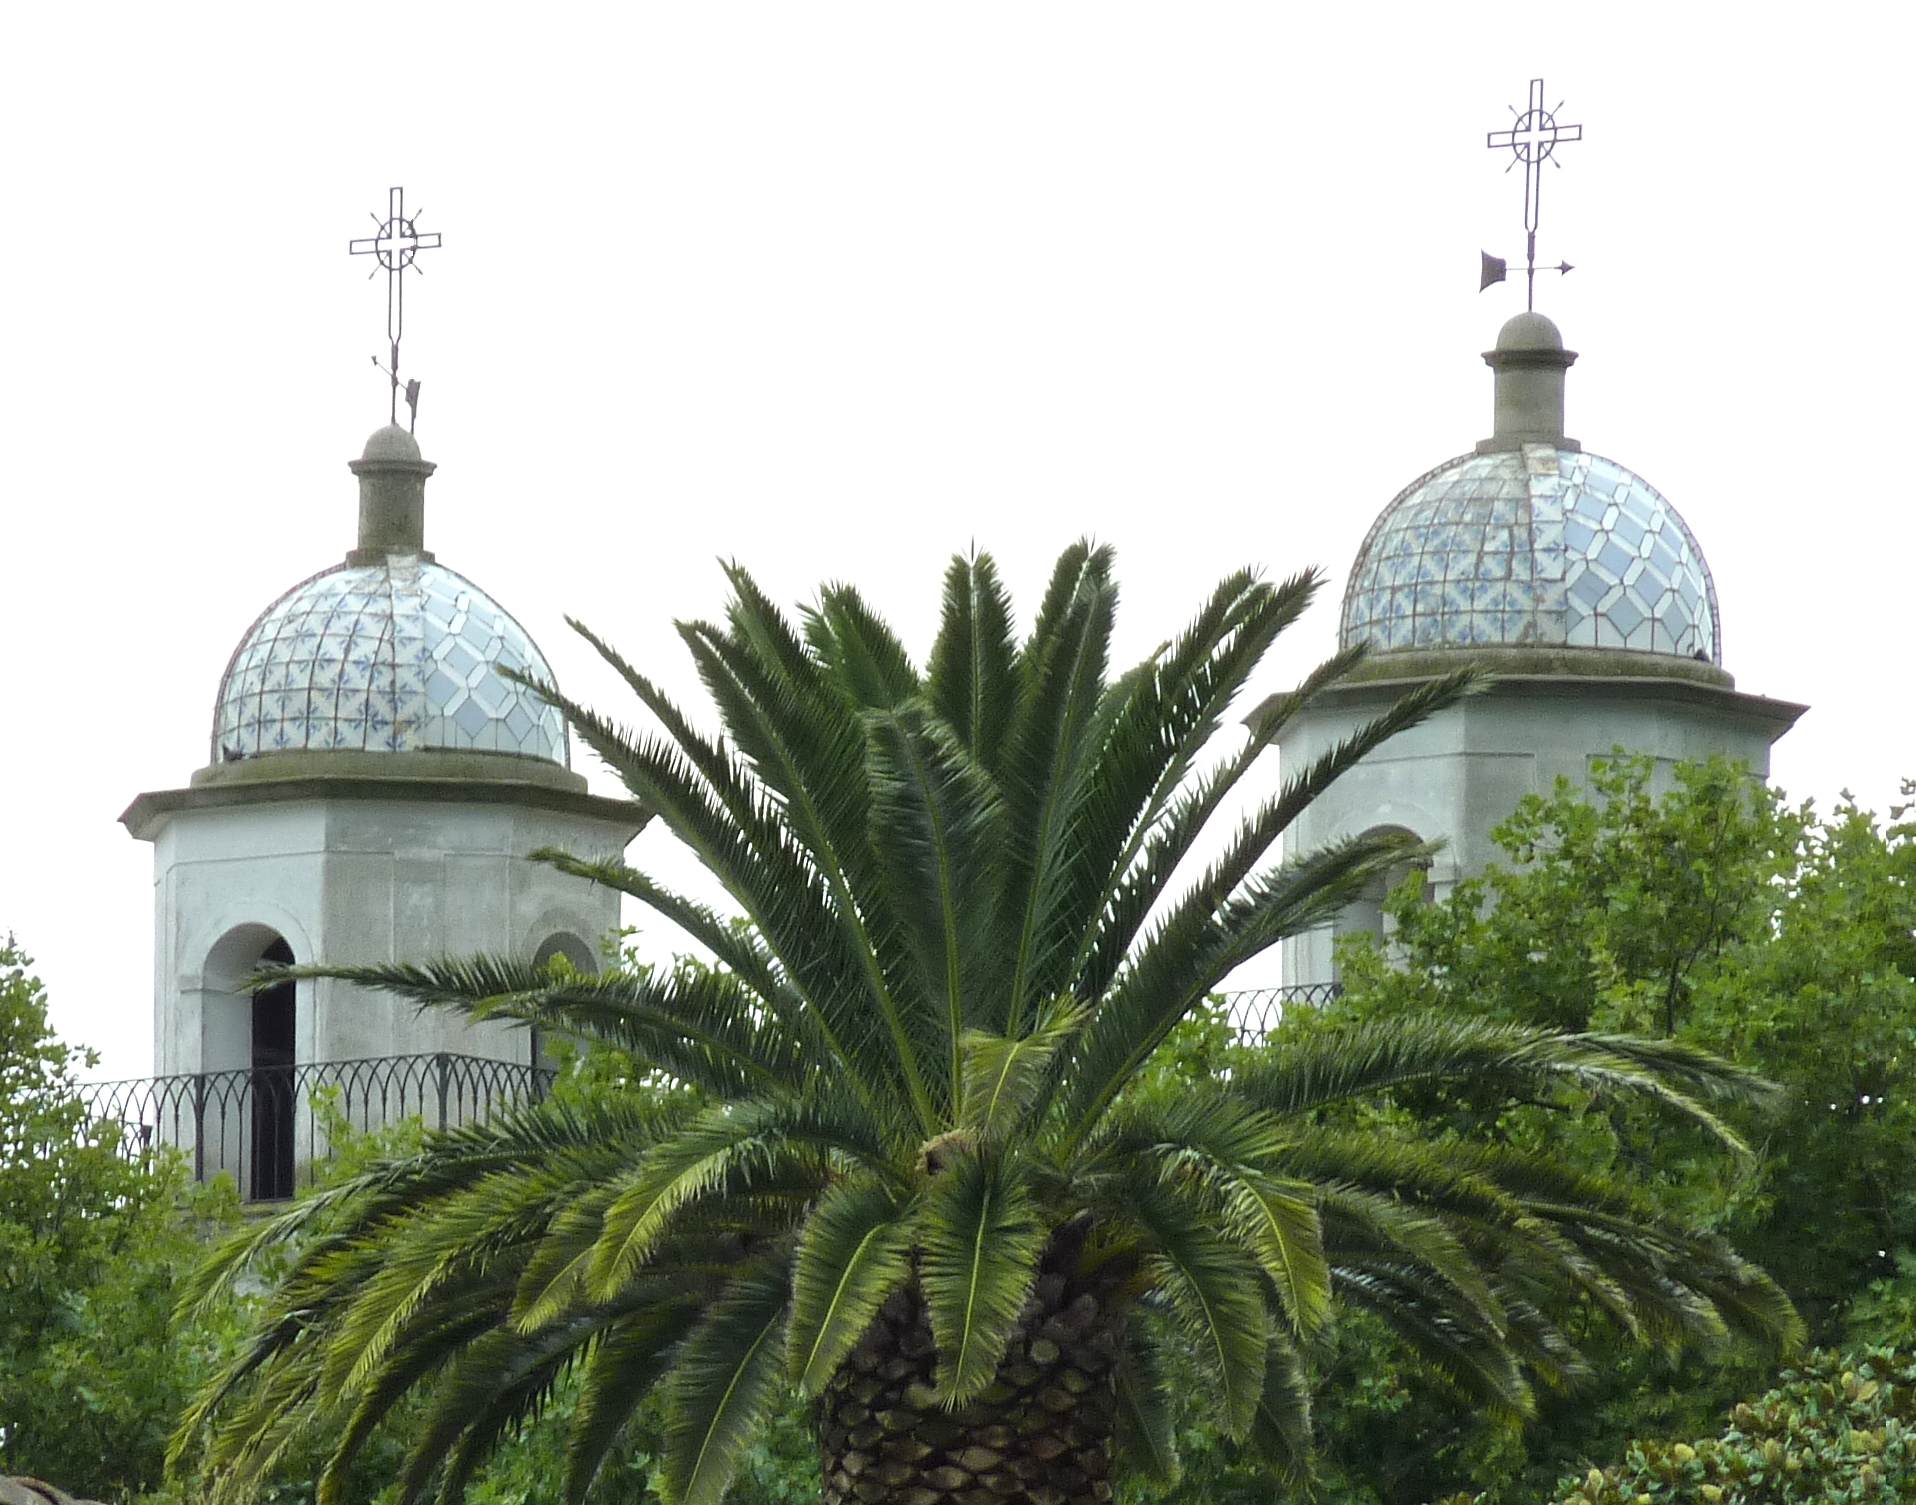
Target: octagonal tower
375, 788
1567, 576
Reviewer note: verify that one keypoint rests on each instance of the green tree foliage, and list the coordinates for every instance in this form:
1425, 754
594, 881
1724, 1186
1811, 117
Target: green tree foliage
1715, 914
93, 1243
1833, 1432
917, 1173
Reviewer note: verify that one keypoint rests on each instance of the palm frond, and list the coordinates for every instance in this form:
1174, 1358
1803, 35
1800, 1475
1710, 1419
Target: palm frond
703, 1027
1212, 1286
553, 1281
1259, 832
495, 1381
1049, 754
853, 1251
625, 1365
1280, 710
807, 744
860, 651
1355, 1217
1146, 1435
1281, 1427
721, 1388
1302, 1074
1144, 881
972, 677
1190, 951
737, 949
979, 1237
936, 827
428, 1350
1208, 1137
1278, 1219
1002, 1080
1467, 1356
725, 1152
1158, 732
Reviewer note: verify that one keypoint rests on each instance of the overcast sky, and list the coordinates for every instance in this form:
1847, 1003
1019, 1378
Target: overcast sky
839, 289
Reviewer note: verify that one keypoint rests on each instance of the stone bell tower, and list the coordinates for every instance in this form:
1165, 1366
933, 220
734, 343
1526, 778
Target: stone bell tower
1568, 577
374, 787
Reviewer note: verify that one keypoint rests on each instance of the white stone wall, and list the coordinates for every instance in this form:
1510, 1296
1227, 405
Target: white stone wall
346, 881
1462, 772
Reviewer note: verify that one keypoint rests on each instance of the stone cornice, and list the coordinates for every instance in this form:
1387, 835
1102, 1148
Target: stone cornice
1718, 692
470, 778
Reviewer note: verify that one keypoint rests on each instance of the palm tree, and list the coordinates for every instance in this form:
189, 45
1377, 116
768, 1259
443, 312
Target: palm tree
905, 1175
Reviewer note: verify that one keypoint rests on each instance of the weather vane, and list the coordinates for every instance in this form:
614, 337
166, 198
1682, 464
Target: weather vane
1532, 140
396, 245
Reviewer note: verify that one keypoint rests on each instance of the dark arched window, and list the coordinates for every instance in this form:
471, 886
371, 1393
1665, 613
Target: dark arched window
270, 1176
578, 955
1365, 915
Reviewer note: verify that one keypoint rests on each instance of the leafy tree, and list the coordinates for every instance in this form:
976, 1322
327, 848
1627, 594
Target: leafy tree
92, 1243
906, 1177
1833, 1430
1762, 932
1718, 915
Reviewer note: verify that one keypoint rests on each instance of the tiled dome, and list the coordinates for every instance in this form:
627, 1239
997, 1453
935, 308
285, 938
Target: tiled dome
392, 655
1533, 546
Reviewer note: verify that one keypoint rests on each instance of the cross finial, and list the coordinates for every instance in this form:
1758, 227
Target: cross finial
395, 248
1532, 140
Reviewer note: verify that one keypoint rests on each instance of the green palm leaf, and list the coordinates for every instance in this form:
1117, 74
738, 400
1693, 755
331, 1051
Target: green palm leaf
721, 1388
1301, 1074
936, 827
1146, 1433
853, 1251
980, 1238
1003, 1080
1158, 733
806, 742
972, 678
720, 1154
860, 651
1213, 1289
1278, 1219
625, 1365
1281, 1427
1049, 758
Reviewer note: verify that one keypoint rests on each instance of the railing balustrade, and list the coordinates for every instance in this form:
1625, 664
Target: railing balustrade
265, 1125
1255, 1012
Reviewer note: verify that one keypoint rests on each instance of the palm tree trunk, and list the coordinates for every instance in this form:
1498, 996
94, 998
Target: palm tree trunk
1041, 1432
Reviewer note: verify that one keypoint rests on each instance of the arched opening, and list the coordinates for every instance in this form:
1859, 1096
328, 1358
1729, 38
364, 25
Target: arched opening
270, 1175
1365, 915
579, 956
243, 1120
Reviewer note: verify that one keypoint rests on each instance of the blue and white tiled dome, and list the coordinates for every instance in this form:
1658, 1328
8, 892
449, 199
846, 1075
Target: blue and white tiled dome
396, 655
1533, 546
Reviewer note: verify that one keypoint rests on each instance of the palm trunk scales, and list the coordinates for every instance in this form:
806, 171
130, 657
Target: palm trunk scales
1041, 1432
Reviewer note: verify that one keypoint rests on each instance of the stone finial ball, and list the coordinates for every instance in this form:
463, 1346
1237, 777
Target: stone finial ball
392, 443
1529, 331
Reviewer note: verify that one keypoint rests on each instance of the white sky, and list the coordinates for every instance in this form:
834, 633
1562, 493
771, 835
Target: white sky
839, 289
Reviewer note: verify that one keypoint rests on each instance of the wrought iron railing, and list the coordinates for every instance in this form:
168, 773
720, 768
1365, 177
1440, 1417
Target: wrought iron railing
1255, 1012
266, 1125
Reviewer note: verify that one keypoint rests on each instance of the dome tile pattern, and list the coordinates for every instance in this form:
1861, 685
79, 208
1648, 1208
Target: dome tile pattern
389, 657
1534, 547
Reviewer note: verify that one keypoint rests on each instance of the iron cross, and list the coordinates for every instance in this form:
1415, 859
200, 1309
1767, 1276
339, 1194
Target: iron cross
395, 247
1532, 139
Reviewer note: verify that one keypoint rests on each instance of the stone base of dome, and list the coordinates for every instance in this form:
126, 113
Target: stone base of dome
1553, 662
430, 777
478, 764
